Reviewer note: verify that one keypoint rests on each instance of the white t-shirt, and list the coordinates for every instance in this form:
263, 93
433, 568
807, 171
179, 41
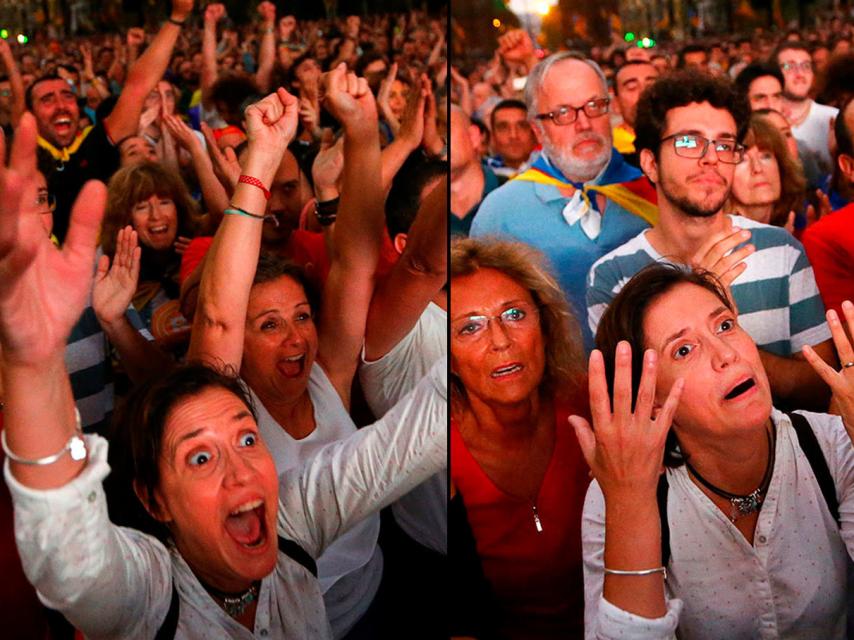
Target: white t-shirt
812, 136
423, 512
350, 569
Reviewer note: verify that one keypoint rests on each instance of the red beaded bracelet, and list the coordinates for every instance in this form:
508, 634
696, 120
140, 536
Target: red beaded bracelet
255, 182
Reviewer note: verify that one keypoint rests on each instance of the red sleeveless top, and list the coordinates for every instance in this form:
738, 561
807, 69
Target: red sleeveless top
536, 575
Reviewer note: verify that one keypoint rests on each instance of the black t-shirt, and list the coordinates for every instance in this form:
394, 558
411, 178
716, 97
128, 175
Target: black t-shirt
95, 159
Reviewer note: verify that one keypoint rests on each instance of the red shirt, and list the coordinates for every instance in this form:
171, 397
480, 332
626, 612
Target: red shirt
536, 576
829, 244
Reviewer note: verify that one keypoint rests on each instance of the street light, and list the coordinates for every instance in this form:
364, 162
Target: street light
531, 13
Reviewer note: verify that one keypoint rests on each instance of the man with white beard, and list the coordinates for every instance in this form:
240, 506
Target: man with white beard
580, 199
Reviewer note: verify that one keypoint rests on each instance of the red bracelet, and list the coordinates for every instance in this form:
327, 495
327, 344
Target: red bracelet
255, 182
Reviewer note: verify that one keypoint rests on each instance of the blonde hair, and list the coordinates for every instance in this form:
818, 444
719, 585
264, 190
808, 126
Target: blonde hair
527, 266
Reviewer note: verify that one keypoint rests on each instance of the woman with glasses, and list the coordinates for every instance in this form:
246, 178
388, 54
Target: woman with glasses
516, 469
713, 514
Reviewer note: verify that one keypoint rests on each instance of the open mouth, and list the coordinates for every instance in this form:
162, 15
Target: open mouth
508, 370
740, 389
292, 366
246, 524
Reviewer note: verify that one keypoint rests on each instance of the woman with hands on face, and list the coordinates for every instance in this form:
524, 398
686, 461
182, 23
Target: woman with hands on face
223, 545
712, 513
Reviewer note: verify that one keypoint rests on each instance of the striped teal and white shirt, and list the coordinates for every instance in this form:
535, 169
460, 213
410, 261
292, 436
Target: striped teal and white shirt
778, 301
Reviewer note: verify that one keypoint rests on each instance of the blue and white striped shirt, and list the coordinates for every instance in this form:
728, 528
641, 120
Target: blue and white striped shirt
778, 301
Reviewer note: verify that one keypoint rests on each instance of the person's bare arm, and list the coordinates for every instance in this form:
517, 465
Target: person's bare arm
267, 51
794, 381
214, 12
220, 319
408, 139
114, 288
213, 193
358, 230
625, 452
419, 274
144, 75
16, 83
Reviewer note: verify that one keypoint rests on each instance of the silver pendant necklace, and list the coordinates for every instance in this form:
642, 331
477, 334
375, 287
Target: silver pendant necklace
235, 605
743, 505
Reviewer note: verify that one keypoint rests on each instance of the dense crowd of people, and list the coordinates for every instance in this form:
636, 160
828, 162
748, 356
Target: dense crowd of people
223, 324
650, 337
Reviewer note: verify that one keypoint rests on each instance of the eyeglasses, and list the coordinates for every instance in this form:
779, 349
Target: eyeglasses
474, 328
567, 115
688, 145
806, 65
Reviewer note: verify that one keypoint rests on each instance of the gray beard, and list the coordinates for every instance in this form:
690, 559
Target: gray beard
577, 170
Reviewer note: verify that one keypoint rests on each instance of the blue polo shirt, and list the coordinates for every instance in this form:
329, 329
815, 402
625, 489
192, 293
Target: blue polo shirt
532, 212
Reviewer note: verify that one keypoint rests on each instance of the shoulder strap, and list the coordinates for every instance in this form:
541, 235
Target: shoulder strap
298, 554
812, 450
170, 624
661, 494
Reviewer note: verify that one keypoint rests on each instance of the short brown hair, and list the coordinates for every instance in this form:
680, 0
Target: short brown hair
137, 436
624, 320
527, 266
131, 185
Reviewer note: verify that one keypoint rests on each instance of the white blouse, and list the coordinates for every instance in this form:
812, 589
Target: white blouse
114, 582
791, 583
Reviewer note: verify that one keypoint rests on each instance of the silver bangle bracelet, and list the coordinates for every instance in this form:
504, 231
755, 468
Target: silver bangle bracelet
639, 572
75, 446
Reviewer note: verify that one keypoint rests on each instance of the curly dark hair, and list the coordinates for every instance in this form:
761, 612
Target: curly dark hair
679, 89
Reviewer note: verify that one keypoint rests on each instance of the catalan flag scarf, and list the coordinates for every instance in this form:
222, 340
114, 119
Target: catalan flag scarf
621, 182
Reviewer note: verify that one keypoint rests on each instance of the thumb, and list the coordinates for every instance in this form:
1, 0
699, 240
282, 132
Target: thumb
230, 155
586, 438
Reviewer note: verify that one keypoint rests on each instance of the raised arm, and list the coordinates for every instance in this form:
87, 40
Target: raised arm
214, 12
220, 319
213, 193
625, 453
43, 291
267, 51
358, 230
841, 382
415, 279
408, 138
111, 296
15, 82
145, 73
350, 479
